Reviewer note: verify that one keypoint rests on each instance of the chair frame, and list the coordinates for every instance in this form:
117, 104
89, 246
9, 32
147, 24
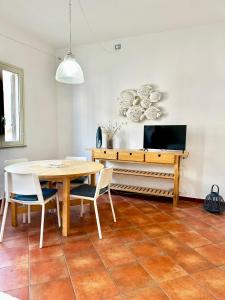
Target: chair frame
104, 181
26, 184
8, 163
79, 158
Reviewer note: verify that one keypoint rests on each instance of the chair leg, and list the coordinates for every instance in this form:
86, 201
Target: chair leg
97, 220
58, 211
2, 205
4, 220
82, 208
42, 225
28, 217
111, 203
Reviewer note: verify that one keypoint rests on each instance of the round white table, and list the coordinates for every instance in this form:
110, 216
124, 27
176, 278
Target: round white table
66, 171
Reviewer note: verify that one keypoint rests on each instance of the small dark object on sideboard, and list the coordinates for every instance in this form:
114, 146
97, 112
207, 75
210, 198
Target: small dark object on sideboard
214, 203
99, 137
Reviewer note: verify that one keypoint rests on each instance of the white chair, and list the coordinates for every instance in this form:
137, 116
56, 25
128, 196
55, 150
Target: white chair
7, 163
91, 193
83, 158
26, 189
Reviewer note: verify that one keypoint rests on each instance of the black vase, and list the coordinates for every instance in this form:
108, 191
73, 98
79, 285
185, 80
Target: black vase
99, 137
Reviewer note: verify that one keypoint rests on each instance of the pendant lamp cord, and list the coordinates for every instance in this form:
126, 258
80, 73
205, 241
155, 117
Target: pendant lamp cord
70, 26
101, 45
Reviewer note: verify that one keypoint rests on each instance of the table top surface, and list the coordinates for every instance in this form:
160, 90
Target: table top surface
54, 168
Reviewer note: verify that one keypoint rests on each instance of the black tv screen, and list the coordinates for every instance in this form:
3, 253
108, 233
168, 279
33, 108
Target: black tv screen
170, 137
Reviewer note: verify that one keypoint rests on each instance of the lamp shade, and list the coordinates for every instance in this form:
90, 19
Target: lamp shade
69, 71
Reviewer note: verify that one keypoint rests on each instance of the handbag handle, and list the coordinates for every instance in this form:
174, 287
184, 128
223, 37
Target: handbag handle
215, 185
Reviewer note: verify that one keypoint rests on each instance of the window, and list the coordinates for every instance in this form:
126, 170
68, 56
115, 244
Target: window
11, 106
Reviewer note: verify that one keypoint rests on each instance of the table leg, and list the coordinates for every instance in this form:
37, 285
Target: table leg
93, 183
66, 207
93, 179
50, 185
14, 219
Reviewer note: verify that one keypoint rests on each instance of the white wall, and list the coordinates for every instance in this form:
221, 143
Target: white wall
39, 90
187, 65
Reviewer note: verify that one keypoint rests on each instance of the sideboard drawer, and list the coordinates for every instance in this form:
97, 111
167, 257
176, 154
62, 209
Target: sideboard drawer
161, 158
107, 154
131, 156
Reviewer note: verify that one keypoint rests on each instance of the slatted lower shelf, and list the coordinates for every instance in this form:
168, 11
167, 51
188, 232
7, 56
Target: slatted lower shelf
143, 173
141, 190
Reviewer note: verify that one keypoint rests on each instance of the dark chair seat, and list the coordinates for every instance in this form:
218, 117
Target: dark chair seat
79, 180
47, 193
86, 190
43, 182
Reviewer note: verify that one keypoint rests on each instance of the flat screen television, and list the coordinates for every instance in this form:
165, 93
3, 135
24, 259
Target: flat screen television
168, 137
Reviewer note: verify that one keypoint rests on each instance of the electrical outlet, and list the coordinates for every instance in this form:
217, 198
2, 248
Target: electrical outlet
117, 47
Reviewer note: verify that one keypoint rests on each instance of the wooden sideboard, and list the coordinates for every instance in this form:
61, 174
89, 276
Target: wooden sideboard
144, 157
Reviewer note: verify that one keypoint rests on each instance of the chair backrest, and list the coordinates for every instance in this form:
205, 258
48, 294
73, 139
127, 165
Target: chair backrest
23, 184
104, 180
14, 161
84, 158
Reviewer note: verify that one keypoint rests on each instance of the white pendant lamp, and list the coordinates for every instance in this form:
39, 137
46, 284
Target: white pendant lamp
69, 71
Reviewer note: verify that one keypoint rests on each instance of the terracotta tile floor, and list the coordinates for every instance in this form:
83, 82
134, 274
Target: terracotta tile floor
153, 252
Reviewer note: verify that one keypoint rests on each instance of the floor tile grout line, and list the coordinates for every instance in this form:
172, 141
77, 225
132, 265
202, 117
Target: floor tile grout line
29, 269
92, 270
106, 268
68, 270
165, 293
109, 270
47, 258
203, 287
137, 226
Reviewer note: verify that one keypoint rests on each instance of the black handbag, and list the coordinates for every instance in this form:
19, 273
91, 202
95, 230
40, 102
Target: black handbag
214, 203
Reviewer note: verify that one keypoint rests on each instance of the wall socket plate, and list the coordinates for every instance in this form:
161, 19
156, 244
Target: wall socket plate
117, 47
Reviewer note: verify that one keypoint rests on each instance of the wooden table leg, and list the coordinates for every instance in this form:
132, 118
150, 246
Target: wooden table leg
66, 207
14, 219
93, 179
50, 185
93, 183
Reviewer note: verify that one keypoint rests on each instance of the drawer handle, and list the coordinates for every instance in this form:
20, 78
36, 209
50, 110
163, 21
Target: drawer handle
130, 153
104, 152
159, 155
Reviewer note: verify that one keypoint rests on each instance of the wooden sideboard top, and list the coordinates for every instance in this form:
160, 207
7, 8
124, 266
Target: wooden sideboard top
184, 154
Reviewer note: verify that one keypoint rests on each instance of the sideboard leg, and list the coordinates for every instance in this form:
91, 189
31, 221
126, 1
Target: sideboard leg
176, 181
175, 200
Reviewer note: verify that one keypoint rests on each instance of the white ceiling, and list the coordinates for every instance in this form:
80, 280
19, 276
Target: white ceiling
109, 19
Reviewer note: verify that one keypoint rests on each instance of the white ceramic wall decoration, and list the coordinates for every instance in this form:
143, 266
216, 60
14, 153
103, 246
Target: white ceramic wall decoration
144, 91
134, 113
152, 113
155, 96
140, 104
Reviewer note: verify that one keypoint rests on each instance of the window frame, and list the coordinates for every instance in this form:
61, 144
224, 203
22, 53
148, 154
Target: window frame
21, 142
